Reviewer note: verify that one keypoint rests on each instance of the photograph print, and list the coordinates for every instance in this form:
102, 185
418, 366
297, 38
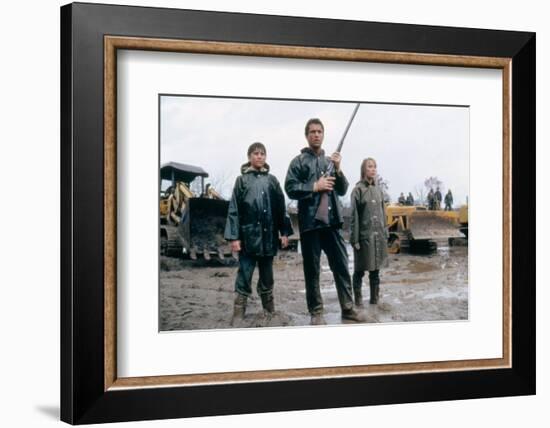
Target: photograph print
292, 213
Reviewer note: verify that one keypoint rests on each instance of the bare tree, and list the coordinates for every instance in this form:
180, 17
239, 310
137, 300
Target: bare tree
195, 186
384, 186
433, 183
419, 193
220, 183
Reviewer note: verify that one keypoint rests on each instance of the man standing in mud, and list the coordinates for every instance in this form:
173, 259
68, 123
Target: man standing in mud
306, 182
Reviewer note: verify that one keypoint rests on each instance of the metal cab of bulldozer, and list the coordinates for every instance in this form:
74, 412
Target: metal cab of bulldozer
191, 223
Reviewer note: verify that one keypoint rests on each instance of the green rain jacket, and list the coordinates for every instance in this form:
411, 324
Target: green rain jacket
257, 212
304, 170
368, 225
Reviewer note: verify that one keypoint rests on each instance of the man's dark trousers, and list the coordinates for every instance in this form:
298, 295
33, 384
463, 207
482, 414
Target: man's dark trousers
247, 263
332, 243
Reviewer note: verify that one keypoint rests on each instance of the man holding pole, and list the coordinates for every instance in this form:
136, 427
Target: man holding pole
316, 181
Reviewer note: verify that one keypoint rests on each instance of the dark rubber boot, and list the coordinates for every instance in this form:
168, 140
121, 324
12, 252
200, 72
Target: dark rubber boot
373, 297
357, 289
358, 297
267, 303
374, 283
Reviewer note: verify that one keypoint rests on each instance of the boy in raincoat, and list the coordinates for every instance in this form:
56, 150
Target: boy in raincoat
256, 217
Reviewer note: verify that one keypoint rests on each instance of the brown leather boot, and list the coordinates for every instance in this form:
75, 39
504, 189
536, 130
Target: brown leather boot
317, 319
239, 308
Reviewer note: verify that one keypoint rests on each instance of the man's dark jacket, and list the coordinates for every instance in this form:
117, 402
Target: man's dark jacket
304, 170
257, 212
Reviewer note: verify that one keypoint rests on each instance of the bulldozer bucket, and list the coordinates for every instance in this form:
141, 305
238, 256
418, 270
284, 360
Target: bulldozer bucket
202, 227
433, 225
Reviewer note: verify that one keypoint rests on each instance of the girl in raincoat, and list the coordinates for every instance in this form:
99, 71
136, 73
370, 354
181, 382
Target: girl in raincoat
368, 235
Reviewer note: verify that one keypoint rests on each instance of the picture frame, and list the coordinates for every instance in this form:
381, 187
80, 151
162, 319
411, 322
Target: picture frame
91, 392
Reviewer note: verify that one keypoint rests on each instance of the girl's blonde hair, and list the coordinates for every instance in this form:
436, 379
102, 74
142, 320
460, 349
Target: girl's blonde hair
364, 167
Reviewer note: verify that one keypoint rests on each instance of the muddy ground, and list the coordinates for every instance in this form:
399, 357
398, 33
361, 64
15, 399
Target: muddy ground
199, 294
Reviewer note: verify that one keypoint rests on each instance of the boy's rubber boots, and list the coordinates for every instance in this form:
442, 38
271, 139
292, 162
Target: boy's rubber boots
239, 308
317, 319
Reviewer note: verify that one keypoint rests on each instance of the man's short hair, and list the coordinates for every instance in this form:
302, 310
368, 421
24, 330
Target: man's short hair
256, 146
314, 121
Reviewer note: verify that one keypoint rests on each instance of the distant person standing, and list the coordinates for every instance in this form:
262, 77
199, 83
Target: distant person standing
368, 232
410, 199
449, 201
437, 199
401, 200
306, 182
431, 199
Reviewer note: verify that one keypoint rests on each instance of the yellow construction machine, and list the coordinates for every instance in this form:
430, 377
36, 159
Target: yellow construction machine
417, 229
411, 228
463, 219
191, 225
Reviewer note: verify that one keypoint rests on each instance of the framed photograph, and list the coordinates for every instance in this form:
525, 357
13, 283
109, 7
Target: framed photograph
266, 213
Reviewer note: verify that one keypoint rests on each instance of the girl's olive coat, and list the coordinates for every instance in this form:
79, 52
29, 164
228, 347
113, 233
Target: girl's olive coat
257, 212
368, 226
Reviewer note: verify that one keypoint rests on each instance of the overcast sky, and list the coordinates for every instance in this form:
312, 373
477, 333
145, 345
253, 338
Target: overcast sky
409, 142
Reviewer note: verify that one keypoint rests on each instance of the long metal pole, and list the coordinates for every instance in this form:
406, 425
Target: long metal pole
347, 127
330, 167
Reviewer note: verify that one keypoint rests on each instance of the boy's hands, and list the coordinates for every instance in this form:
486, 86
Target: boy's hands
284, 241
236, 246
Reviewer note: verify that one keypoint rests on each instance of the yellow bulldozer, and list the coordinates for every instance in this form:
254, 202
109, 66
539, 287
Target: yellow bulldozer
191, 224
411, 228
417, 229
463, 219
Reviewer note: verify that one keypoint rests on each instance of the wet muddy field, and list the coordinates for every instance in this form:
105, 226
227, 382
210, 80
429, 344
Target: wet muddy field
199, 295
